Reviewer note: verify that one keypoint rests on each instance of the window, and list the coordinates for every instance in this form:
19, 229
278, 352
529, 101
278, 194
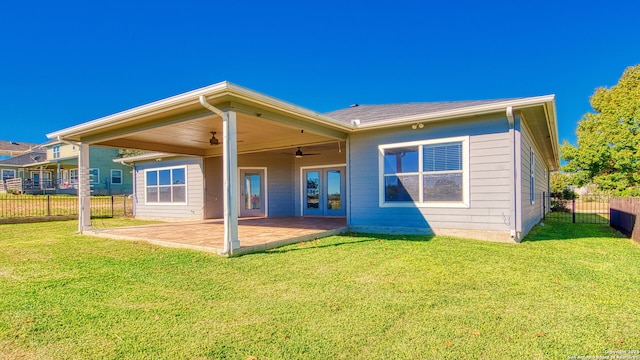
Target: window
116, 176
532, 176
426, 173
73, 176
56, 152
166, 185
94, 176
8, 174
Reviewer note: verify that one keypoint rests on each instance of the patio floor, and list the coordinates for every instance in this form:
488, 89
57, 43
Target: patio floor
255, 234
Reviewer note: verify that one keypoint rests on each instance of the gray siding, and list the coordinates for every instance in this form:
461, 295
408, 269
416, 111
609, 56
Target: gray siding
280, 189
193, 210
489, 165
531, 212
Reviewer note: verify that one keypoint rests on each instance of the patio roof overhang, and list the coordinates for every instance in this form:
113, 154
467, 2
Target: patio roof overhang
181, 125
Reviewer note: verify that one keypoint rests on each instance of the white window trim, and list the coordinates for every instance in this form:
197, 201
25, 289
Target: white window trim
186, 187
97, 177
56, 152
265, 185
8, 171
323, 167
431, 204
73, 179
121, 176
532, 176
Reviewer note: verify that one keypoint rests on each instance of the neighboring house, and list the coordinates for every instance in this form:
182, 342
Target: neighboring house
477, 169
12, 148
26, 168
53, 168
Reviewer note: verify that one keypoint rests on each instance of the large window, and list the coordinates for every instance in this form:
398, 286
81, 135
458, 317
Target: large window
8, 174
166, 185
425, 173
56, 152
116, 176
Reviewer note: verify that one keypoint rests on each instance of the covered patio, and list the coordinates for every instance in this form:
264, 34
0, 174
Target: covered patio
255, 234
206, 147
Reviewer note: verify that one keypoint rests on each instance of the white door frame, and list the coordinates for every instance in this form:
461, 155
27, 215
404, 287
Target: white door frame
302, 187
265, 186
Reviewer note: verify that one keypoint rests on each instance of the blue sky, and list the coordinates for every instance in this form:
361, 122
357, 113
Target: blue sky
64, 63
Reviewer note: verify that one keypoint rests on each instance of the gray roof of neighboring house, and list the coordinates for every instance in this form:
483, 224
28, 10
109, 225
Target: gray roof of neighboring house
33, 157
371, 113
9, 146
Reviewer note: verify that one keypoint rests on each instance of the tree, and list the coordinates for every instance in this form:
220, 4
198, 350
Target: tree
130, 152
608, 140
559, 181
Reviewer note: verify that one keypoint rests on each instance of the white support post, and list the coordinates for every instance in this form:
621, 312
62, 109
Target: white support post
84, 189
230, 183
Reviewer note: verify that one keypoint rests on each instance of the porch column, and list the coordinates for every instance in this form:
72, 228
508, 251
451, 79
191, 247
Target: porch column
41, 178
84, 189
230, 182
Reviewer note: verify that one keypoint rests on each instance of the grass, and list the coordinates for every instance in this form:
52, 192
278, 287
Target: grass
568, 290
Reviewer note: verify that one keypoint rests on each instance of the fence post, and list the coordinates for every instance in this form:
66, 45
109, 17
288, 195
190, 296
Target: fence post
111, 205
48, 205
573, 210
544, 207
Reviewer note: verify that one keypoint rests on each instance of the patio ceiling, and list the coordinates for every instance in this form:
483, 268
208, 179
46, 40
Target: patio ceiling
181, 125
191, 137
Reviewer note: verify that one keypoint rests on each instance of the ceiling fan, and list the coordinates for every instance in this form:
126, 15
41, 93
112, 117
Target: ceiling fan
214, 140
299, 154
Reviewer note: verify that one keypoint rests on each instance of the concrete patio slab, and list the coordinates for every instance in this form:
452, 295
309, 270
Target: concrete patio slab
255, 234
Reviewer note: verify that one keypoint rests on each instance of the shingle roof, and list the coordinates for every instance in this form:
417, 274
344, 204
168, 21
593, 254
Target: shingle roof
372, 113
14, 146
33, 157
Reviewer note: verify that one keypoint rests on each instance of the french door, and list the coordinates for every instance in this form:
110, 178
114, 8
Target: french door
323, 191
252, 192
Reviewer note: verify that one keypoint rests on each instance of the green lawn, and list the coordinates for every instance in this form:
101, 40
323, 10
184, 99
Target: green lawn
569, 290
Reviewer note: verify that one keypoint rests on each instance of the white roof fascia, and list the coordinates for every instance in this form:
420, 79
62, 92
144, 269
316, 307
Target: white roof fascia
447, 114
290, 108
192, 97
146, 109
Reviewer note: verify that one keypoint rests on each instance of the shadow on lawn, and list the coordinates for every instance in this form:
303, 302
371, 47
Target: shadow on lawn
348, 238
554, 230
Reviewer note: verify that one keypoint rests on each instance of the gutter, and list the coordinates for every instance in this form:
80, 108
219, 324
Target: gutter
448, 114
515, 213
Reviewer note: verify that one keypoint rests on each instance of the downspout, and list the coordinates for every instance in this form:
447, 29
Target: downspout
514, 174
228, 244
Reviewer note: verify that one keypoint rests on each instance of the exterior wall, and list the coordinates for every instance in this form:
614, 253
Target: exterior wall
102, 158
532, 213
280, 189
490, 196
66, 151
194, 208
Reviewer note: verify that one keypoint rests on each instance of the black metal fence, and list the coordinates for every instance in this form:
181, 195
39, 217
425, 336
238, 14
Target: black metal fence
583, 209
20, 206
